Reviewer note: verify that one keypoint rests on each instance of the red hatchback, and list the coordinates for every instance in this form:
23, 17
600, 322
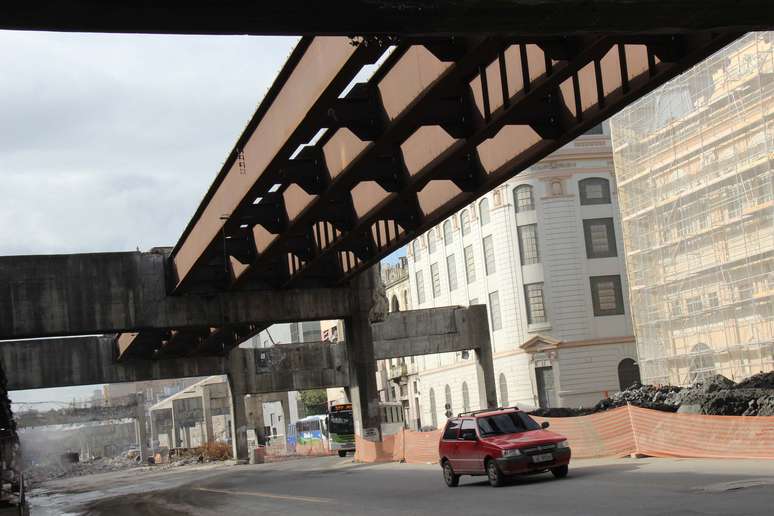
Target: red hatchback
500, 443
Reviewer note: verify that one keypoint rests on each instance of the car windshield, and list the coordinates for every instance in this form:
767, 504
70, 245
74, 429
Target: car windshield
506, 423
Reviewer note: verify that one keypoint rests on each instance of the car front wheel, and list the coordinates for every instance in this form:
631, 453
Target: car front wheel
561, 471
493, 473
449, 476
342, 453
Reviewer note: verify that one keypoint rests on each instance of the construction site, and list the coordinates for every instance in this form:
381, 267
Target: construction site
573, 200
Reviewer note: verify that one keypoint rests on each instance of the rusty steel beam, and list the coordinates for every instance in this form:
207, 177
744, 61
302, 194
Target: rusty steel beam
408, 17
298, 102
438, 125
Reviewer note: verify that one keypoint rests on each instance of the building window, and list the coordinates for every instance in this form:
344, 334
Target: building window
594, 190
489, 258
606, 295
420, 288
702, 363
536, 310
628, 373
528, 245
712, 300
470, 264
448, 234
503, 390
523, 198
395, 305
431, 241
433, 410
494, 309
483, 211
465, 397
416, 244
600, 238
693, 304
451, 271
465, 222
435, 275
448, 405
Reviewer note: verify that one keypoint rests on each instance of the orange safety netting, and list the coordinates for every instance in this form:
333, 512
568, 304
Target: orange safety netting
615, 433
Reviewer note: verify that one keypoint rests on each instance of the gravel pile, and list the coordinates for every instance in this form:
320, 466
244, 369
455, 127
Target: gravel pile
57, 469
716, 395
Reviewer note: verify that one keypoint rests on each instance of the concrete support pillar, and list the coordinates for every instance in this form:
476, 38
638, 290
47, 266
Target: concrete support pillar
187, 434
208, 435
369, 304
173, 435
236, 384
140, 425
255, 416
487, 389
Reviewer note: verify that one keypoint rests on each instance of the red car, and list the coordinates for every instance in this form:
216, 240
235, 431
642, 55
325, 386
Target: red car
500, 443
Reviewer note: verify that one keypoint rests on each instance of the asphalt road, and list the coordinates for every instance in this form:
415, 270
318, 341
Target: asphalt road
334, 486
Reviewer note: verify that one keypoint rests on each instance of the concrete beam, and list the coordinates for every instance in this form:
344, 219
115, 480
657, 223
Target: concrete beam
83, 294
346, 17
433, 330
64, 362
291, 367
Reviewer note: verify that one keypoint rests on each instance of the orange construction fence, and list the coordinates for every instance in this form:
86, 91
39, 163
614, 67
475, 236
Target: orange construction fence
615, 433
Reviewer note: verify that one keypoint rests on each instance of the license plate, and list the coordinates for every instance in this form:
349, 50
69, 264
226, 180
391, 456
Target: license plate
543, 457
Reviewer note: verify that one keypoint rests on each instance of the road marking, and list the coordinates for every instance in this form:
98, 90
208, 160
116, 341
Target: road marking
310, 499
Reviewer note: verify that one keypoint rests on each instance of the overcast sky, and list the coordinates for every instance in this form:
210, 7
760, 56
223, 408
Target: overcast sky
108, 142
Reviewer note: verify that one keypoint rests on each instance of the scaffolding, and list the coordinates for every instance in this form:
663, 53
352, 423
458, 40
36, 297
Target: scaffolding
693, 163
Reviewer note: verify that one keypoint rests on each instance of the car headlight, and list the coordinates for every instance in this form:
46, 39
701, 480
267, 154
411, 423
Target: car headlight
511, 453
562, 444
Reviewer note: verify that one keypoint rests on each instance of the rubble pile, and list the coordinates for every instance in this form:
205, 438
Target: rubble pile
716, 395
55, 469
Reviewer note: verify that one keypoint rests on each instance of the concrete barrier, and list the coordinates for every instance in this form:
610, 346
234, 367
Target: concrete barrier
614, 433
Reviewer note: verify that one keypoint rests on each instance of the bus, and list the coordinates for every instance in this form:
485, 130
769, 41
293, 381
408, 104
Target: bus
324, 434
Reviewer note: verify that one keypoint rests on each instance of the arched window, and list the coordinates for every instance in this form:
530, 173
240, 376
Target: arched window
433, 411
594, 190
465, 397
702, 363
503, 390
416, 244
523, 198
628, 373
395, 306
448, 235
483, 211
448, 405
431, 241
465, 222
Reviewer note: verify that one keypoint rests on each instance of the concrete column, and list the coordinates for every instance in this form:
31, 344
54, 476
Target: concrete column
369, 304
487, 390
236, 384
255, 416
209, 433
173, 436
187, 434
142, 433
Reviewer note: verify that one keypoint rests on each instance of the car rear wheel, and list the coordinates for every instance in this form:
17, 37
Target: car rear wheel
561, 471
342, 453
493, 473
449, 476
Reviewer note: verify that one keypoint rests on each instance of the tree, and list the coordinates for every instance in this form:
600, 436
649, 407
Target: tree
315, 401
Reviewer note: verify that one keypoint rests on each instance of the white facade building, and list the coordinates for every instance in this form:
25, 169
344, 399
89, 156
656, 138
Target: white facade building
544, 253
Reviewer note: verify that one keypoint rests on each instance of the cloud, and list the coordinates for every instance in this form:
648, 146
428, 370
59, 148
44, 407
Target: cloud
108, 142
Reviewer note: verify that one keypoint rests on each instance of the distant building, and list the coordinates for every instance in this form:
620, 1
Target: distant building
694, 167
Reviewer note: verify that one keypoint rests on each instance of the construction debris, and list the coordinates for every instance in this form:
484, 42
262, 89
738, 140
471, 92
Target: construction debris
715, 395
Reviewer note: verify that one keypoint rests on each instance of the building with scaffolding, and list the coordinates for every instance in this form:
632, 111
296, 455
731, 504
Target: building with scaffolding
693, 162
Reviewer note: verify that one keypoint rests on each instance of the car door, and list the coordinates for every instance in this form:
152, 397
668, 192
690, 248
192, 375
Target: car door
468, 448
449, 442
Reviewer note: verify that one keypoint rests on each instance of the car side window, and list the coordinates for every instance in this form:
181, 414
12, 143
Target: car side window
452, 427
468, 429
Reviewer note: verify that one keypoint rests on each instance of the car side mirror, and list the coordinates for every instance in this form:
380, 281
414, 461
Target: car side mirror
545, 424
